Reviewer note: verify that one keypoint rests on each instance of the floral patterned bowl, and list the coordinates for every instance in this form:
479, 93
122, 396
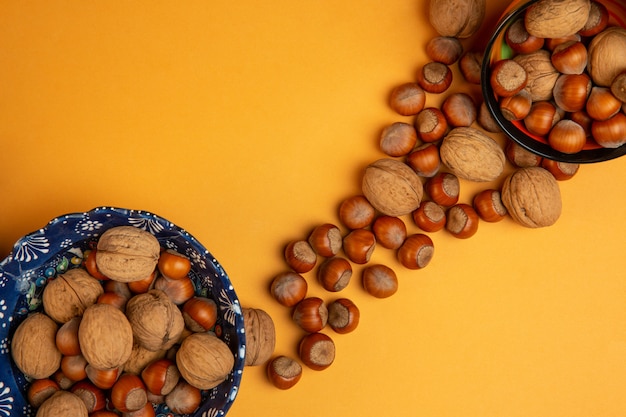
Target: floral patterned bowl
39, 256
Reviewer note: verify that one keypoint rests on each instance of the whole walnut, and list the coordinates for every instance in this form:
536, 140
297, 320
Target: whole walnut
140, 357
556, 18
204, 360
63, 403
105, 336
541, 73
156, 321
70, 294
607, 55
532, 197
472, 155
33, 347
392, 187
260, 336
127, 253
456, 18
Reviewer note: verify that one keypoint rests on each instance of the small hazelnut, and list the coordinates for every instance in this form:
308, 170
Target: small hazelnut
571, 91
470, 66
343, 315
508, 77
462, 221
488, 206
597, 21
184, 398
289, 288
520, 41
311, 314
129, 393
379, 281
517, 106
570, 57
424, 160
407, 99
389, 231
602, 104
416, 252
567, 136
300, 256
443, 188
334, 274
610, 133
431, 124
317, 351
618, 86
359, 245
561, 171
398, 139
444, 49
430, 217
434, 77
325, 239
40, 390
459, 110
519, 156
356, 212
284, 372
486, 120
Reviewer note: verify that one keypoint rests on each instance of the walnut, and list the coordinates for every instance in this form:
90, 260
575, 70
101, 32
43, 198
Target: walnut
607, 56
156, 321
541, 74
556, 18
70, 294
33, 347
532, 197
260, 336
63, 403
105, 336
472, 155
456, 18
392, 187
204, 361
140, 357
126, 253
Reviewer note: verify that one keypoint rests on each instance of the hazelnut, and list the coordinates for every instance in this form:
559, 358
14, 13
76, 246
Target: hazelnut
443, 189
444, 49
470, 66
416, 252
567, 136
184, 398
300, 256
389, 231
424, 160
430, 217
359, 245
317, 351
519, 156
459, 110
407, 99
462, 221
508, 78
334, 274
597, 21
289, 288
325, 239
343, 315
356, 212
520, 41
434, 77
284, 372
311, 314
398, 139
561, 171
431, 124
459, 19
488, 205
379, 280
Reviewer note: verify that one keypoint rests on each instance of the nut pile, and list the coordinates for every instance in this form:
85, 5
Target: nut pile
566, 80
120, 333
411, 193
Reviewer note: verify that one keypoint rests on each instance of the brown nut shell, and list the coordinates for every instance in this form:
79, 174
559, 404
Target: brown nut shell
556, 18
156, 321
204, 361
472, 155
127, 253
392, 187
105, 336
63, 403
459, 19
33, 347
605, 62
70, 294
260, 336
532, 197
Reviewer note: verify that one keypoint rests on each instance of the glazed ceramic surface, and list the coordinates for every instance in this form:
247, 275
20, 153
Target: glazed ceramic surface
40, 256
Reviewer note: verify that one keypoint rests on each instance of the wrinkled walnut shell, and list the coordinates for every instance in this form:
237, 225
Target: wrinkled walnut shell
33, 347
105, 336
472, 155
156, 321
532, 197
605, 62
392, 187
456, 18
541, 74
260, 336
556, 18
204, 361
70, 294
127, 253
63, 403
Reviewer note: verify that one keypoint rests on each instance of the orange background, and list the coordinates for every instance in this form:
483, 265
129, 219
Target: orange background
247, 123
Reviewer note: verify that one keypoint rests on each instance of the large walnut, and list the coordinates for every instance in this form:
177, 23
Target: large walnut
126, 253
70, 294
260, 336
392, 187
456, 18
140, 357
156, 321
204, 361
541, 74
105, 336
532, 197
607, 55
556, 18
63, 403
33, 346
472, 155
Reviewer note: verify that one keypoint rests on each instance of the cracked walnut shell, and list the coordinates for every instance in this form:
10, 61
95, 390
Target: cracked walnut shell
532, 197
127, 253
204, 360
70, 294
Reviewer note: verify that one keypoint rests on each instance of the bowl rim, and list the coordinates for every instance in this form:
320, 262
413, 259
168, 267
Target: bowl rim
544, 150
29, 253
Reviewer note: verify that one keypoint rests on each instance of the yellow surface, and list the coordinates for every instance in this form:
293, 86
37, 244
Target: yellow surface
247, 123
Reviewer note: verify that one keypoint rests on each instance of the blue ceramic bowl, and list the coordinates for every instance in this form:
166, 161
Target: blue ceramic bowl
39, 256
